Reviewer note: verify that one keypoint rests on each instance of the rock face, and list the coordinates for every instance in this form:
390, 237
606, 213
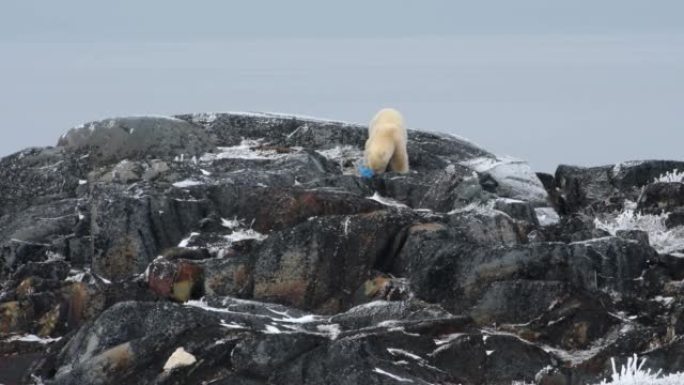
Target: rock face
244, 249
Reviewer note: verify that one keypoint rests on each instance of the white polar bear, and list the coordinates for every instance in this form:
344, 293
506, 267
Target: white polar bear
386, 144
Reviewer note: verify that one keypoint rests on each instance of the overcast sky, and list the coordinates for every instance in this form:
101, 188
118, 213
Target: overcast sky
579, 82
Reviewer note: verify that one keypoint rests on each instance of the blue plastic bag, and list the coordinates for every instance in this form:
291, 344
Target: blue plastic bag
365, 172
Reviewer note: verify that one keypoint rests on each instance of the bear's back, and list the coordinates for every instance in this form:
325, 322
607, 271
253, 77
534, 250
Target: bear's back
386, 117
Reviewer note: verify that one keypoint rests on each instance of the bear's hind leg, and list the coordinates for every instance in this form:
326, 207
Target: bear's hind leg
399, 161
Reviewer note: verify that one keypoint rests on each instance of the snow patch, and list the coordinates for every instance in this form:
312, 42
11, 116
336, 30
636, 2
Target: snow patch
186, 241
105, 280
247, 149
241, 235
53, 256
346, 225
666, 301
448, 338
392, 376
390, 323
202, 304
232, 325
344, 155
178, 359
546, 216
299, 320
270, 329
387, 201
210, 117
617, 168
509, 200
184, 200
33, 338
662, 239
486, 208
80, 276
331, 330
37, 380
369, 305
670, 177
515, 177
230, 223
399, 352
287, 115
203, 118
633, 373
187, 183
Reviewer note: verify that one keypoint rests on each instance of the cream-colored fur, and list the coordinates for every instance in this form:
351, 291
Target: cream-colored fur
386, 144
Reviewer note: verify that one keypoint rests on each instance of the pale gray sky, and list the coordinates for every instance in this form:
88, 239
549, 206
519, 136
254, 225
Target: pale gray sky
580, 82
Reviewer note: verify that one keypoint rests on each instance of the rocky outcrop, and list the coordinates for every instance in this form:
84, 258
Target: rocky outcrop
606, 188
244, 249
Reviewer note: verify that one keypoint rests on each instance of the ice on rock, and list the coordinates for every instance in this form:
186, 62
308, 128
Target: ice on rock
515, 177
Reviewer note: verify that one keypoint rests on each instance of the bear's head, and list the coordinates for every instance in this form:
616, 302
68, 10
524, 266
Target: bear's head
378, 158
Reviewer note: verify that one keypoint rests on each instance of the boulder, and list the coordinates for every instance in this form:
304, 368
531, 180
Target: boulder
116, 139
657, 198
604, 188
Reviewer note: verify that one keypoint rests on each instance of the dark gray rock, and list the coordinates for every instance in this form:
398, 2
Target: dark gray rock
641, 173
674, 265
573, 321
675, 218
374, 313
570, 228
464, 357
222, 233
38, 176
258, 356
116, 139
519, 210
461, 275
241, 341
605, 188
582, 186
661, 197
373, 359
516, 301
591, 366
547, 180
321, 262
635, 235
55, 270
510, 358
668, 358
428, 151
229, 276
281, 208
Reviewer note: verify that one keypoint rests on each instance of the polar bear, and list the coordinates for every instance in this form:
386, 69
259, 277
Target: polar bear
386, 144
